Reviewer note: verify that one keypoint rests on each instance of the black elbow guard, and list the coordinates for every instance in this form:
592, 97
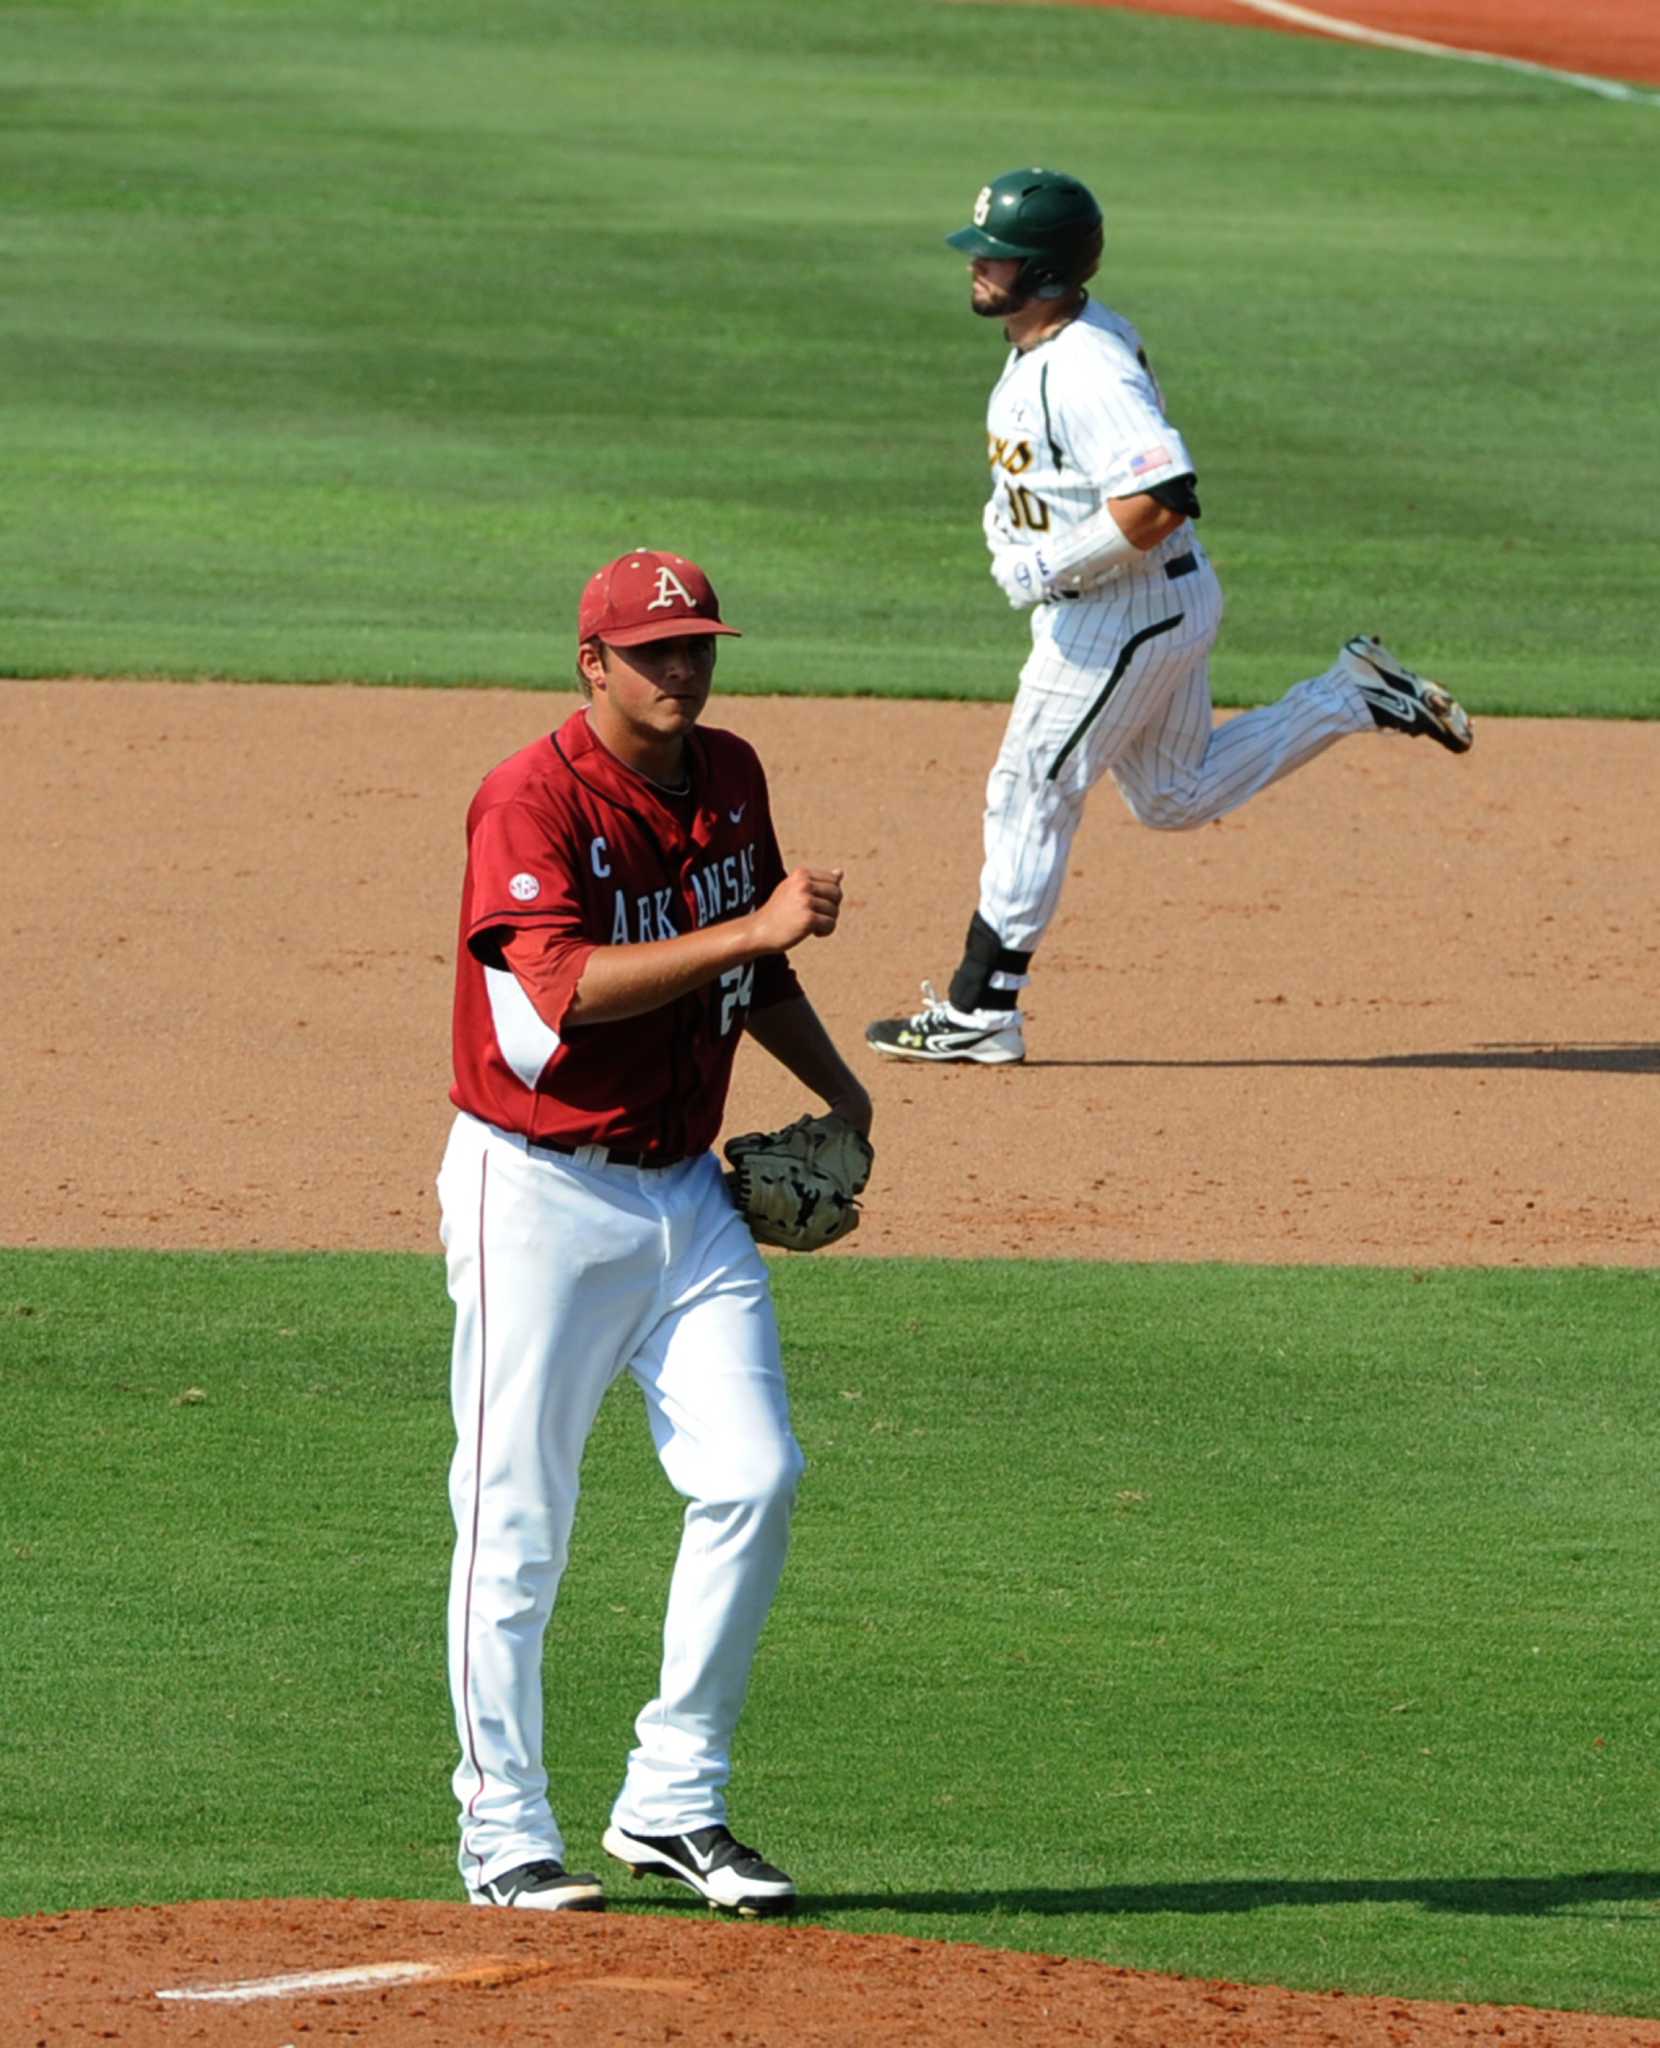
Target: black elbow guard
1178, 495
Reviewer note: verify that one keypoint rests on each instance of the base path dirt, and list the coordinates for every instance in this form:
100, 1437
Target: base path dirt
423, 1976
1618, 39
1402, 1009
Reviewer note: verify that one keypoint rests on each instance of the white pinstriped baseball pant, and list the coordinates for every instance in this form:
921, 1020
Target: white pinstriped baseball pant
1121, 684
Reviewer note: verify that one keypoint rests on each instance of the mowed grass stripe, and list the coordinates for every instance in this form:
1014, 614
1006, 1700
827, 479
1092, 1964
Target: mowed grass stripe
342, 341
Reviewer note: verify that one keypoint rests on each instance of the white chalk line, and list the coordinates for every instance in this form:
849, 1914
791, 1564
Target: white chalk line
1385, 39
297, 1983
479, 1971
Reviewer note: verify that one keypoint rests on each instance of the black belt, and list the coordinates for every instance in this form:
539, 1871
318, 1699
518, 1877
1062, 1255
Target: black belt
614, 1154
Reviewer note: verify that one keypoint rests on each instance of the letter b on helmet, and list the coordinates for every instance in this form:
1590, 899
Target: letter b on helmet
1045, 218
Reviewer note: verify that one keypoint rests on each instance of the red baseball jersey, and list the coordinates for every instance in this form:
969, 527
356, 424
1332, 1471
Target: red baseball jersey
565, 842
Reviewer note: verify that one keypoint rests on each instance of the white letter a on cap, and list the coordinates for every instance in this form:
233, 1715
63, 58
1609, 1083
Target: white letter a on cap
670, 587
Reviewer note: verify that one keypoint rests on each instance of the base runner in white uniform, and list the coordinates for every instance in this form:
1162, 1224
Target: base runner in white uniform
1090, 527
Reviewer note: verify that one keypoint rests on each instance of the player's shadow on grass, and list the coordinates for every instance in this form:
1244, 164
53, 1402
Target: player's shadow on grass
1614, 1058
1587, 1892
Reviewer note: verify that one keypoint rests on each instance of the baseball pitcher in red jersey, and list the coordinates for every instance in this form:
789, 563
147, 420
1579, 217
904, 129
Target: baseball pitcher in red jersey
625, 919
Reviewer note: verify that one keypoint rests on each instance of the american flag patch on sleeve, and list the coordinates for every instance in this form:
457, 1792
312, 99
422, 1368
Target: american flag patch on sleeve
1154, 458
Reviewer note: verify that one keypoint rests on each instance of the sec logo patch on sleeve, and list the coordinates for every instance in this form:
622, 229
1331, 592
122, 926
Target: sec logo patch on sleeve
524, 888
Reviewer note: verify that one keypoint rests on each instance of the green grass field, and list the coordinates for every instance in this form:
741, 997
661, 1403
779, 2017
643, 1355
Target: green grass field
343, 341
1290, 1628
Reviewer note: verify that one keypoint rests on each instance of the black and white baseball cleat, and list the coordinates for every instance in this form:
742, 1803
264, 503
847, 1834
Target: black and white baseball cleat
545, 1886
709, 1862
1401, 701
991, 1038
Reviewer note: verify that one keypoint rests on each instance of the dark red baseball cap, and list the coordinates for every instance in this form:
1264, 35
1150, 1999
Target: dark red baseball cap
648, 595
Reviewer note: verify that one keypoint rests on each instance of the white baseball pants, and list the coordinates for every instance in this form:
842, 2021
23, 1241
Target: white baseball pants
1121, 684
565, 1272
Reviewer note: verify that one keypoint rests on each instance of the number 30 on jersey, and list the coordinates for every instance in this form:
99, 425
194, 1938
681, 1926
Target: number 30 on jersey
1026, 508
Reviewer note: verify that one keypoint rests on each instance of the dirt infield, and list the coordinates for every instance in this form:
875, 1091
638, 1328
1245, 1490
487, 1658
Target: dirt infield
1402, 1009
1618, 39
576, 1981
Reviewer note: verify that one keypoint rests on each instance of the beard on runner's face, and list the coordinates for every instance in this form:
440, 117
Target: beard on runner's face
994, 301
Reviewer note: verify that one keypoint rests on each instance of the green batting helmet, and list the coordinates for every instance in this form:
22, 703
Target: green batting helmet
1045, 217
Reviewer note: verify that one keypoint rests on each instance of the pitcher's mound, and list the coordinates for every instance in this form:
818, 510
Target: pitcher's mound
287, 1973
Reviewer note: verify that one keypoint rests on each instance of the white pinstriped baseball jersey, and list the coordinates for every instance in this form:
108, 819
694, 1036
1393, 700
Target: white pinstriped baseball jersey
1074, 421
1117, 681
